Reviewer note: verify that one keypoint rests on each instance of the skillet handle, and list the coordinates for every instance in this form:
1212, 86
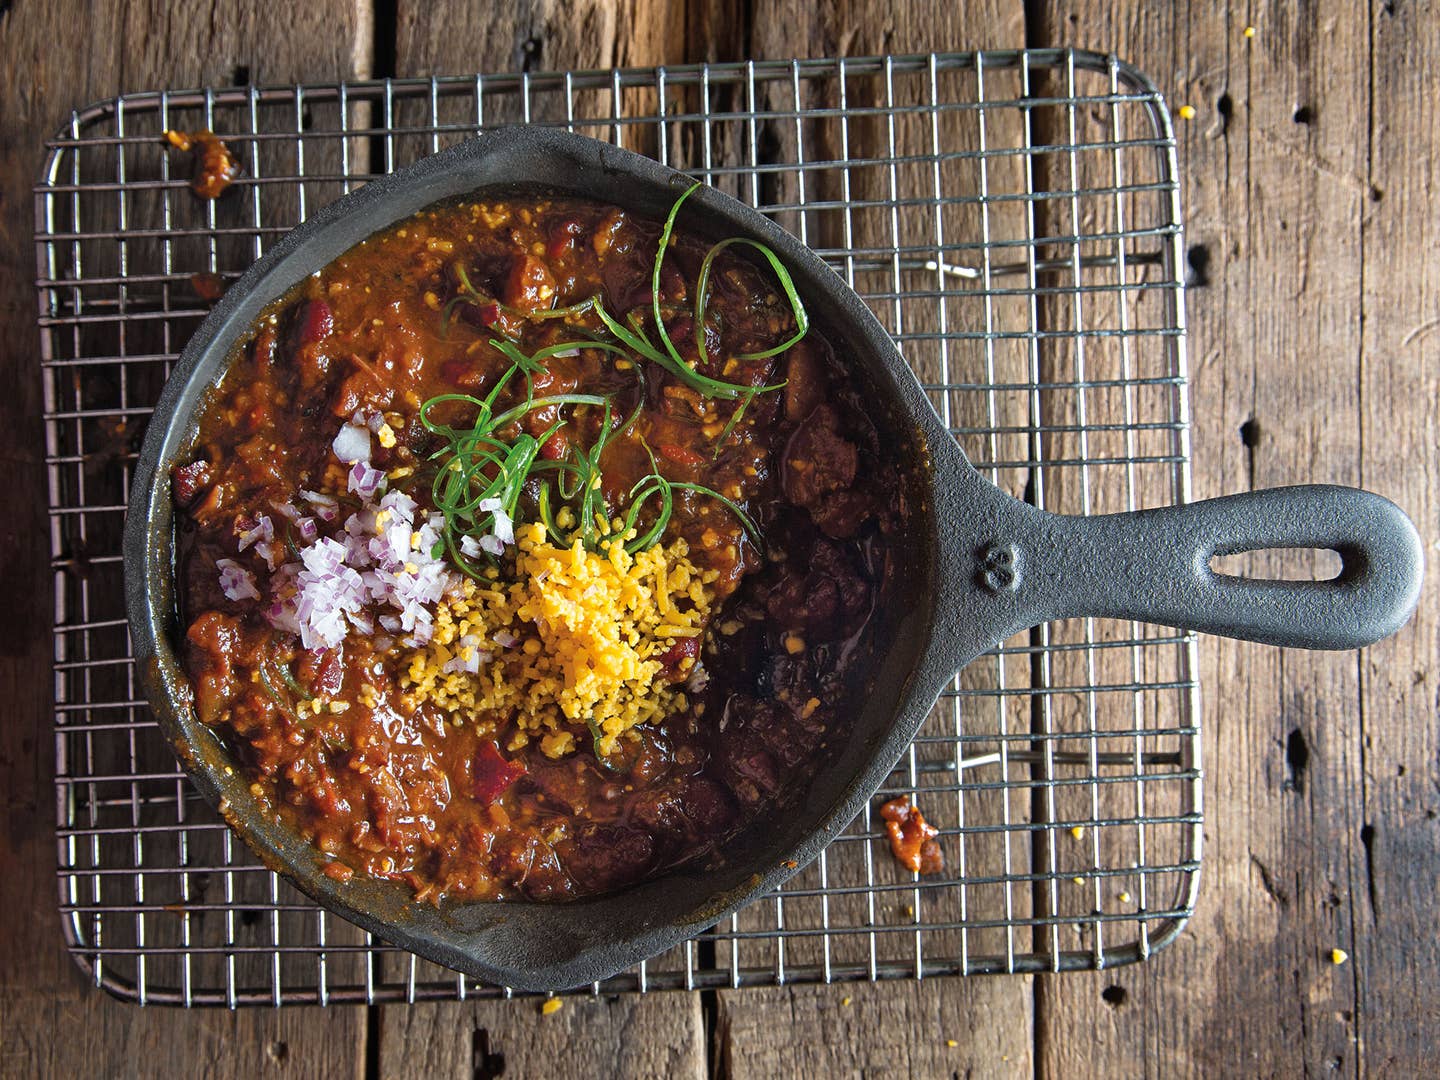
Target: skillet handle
1154, 566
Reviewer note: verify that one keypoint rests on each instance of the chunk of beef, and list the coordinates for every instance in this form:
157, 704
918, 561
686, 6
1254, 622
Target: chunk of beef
211, 644
188, 481
818, 459
824, 594
529, 286
804, 382
761, 742
600, 857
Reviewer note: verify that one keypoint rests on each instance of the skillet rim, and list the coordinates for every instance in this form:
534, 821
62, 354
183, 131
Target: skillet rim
150, 586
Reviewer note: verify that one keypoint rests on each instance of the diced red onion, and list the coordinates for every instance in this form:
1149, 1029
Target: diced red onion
352, 444
469, 547
264, 529
236, 582
504, 638
338, 581
373, 419
270, 552
459, 665
365, 479
326, 507
492, 544
504, 528
486, 506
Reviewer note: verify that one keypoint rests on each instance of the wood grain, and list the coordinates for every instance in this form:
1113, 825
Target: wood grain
1276, 167
659, 1035
1393, 916
54, 58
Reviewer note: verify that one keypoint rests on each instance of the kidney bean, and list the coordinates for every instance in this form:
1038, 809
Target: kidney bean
681, 455
317, 322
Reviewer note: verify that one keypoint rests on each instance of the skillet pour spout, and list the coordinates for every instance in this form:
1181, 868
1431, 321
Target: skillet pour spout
976, 566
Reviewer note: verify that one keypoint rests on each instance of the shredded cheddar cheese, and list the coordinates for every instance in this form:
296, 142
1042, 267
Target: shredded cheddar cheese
571, 647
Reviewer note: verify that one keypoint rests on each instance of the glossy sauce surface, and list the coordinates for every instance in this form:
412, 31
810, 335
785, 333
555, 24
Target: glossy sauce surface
388, 789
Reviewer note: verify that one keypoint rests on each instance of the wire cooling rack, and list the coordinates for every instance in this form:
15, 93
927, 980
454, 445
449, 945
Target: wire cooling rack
1014, 220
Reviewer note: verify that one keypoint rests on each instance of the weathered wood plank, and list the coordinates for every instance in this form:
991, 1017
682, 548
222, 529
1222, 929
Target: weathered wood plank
1276, 192
978, 1026
658, 1035
1291, 740
1394, 912
52, 59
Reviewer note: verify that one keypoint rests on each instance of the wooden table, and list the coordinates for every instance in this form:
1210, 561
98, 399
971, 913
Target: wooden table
1308, 174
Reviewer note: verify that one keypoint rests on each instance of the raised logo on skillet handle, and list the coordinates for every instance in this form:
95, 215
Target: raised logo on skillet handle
1000, 567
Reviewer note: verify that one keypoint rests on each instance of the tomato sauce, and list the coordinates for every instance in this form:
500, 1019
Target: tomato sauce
410, 793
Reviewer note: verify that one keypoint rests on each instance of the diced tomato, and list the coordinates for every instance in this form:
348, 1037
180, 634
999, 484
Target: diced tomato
323, 671
562, 237
530, 285
491, 774
557, 447
681, 455
316, 322
673, 656
488, 313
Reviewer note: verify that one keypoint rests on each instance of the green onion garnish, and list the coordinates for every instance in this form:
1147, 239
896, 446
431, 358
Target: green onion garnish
477, 466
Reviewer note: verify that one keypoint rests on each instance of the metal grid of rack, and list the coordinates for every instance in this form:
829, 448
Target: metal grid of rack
1014, 220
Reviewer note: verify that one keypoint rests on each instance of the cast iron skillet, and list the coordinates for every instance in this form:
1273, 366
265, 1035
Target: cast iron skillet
978, 566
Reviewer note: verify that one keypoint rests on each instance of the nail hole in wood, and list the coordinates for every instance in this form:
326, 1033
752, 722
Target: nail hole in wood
1114, 996
486, 1063
1198, 260
241, 75
1303, 115
1250, 433
530, 50
1297, 759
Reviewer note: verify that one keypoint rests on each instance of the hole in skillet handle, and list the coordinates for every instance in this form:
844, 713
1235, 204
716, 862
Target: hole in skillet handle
1280, 564
1156, 566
